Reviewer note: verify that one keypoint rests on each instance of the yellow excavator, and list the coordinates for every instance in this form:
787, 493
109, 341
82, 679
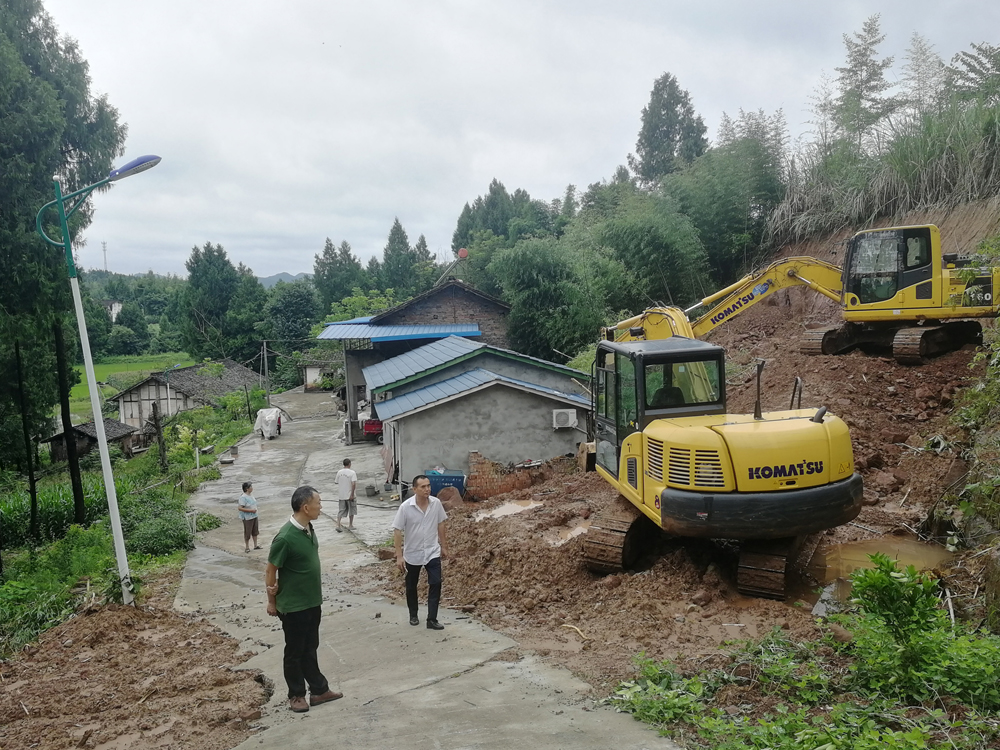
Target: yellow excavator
685, 466
897, 290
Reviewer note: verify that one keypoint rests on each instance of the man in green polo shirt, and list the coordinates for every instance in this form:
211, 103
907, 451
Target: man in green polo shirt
295, 596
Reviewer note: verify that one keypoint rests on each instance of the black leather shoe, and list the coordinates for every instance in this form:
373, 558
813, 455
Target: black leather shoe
434, 625
414, 621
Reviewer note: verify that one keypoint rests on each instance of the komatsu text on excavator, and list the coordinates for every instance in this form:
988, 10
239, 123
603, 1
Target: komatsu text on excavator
681, 463
897, 290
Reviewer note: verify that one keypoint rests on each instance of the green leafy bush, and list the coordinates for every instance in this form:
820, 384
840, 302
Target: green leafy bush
886, 689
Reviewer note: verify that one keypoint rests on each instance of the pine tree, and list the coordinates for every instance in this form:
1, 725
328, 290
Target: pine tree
671, 134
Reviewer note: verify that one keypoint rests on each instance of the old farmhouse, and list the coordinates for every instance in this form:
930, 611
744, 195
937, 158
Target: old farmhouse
86, 438
182, 389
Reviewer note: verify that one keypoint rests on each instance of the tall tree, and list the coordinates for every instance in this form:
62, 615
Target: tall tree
246, 316
212, 282
398, 259
924, 77
672, 134
291, 311
862, 103
335, 273
131, 316
51, 125
975, 74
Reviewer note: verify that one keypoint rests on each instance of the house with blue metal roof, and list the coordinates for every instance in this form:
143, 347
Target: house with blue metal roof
452, 309
449, 397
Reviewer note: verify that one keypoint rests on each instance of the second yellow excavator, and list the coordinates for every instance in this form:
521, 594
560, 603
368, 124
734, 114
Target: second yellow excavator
897, 289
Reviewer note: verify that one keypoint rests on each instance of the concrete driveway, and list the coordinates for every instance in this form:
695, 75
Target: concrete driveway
404, 687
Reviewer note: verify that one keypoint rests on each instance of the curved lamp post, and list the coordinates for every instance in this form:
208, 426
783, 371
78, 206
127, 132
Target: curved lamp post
133, 167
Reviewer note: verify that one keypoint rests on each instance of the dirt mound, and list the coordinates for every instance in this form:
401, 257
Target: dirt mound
127, 677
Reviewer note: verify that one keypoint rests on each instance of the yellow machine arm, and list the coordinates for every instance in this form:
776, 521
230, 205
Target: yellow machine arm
663, 322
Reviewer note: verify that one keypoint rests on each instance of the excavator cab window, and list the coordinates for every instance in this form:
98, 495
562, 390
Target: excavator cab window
874, 267
672, 384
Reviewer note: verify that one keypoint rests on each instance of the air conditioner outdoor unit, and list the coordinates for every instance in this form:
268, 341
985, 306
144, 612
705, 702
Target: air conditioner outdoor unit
563, 418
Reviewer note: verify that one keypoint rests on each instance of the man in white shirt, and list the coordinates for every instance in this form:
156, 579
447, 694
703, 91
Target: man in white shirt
347, 486
420, 541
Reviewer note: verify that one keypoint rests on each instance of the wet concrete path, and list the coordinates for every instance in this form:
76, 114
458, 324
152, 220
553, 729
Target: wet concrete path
404, 687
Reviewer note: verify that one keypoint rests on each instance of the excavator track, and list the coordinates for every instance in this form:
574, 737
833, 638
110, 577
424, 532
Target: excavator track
613, 542
763, 566
827, 340
910, 346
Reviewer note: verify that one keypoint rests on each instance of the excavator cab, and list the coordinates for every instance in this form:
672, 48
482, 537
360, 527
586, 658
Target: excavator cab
893, 267
638, 382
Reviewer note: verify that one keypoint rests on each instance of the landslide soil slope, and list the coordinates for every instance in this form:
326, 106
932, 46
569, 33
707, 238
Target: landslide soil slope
523, 573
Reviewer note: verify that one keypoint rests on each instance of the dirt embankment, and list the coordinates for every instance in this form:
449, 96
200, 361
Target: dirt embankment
126, 677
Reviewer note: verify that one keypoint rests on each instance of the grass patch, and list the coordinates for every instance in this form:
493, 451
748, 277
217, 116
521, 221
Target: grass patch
908, 680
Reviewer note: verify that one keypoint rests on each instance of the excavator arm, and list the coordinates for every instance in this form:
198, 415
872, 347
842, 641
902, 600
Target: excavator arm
663, 322
823, 278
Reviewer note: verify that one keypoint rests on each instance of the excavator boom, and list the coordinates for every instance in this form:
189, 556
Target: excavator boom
663, 322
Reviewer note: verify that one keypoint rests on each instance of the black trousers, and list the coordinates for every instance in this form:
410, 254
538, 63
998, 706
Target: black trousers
300, 664
433, 587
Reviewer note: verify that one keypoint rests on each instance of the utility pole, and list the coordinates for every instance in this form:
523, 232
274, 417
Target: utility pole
267, 382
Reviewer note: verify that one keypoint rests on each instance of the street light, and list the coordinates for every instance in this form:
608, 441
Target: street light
133, 167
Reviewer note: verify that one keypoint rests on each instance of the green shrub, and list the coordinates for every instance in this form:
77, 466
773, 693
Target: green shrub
905, 646
164, 533
207, 522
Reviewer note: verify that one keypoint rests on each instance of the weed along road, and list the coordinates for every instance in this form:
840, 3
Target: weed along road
404, 687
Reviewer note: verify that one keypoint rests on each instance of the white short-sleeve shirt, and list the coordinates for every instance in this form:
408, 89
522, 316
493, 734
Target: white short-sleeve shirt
345, 481
420, 530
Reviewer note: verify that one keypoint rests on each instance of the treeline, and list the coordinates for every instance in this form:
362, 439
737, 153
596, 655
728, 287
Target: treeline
687, 216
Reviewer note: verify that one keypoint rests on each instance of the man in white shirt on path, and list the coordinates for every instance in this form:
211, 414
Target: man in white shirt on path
420, 541
347, 487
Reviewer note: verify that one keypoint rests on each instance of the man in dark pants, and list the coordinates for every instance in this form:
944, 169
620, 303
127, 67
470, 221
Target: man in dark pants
295, 595
420, 542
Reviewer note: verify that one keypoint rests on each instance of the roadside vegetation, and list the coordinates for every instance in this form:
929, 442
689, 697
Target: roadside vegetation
52, 570
899, 675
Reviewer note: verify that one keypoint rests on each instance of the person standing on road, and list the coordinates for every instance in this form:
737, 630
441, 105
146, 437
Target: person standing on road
295, 596
247, 505
420, 541
347, 488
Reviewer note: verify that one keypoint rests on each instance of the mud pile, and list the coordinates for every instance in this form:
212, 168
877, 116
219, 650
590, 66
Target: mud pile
121, 677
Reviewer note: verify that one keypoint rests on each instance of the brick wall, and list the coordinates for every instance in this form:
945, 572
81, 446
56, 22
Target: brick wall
488, 478
456, 305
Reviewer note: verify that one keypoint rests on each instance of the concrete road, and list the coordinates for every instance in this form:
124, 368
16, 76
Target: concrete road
404, 687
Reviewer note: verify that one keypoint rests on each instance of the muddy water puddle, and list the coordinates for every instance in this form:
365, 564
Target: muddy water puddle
558, 537
843, 559
508, 509
833, 568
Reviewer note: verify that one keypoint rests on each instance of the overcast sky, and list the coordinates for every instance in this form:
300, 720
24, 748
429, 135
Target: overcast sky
282, 124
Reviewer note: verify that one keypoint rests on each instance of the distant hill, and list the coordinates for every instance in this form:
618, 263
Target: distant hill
269, 281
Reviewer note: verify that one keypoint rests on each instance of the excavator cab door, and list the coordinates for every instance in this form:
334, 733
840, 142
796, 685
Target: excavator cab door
616, 406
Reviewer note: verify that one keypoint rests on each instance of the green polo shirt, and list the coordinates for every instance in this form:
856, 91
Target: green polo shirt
296, 555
